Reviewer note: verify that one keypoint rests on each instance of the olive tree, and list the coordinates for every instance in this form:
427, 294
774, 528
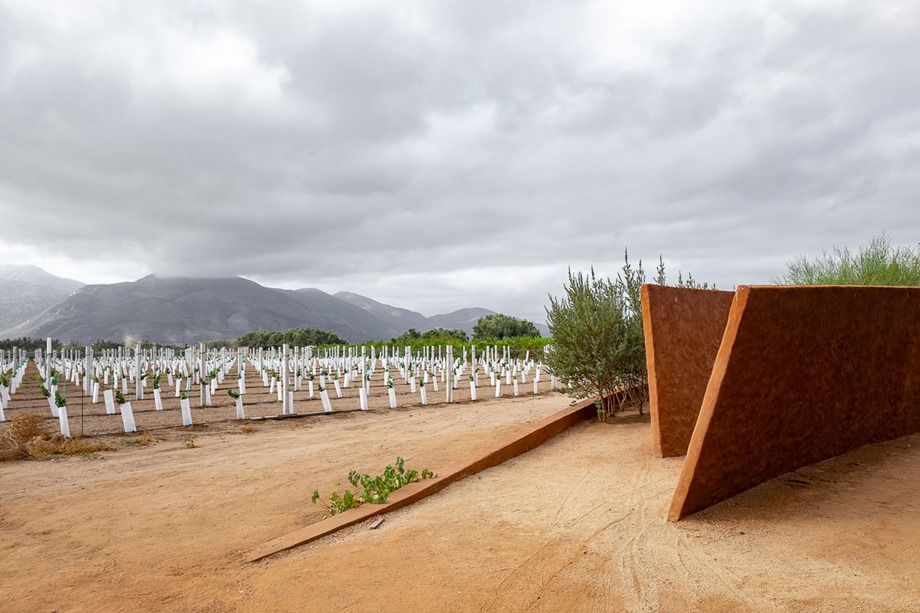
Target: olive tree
598, 343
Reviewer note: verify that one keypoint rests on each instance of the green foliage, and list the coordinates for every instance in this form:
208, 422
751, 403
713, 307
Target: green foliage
29, 343
45, 392
299, 337
189, 440
4, 379
598, 342
60, 400
233, 394
499, 326
337, 503
662, 279
519, 345
877, 264
374, 490
101, 345
436, 336
156, 381
119, 397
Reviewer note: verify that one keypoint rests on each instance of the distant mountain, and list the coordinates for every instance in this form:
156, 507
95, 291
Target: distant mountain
403, 319
26, 291
464, 319
185, 310
399, 319
354, 321
191, 310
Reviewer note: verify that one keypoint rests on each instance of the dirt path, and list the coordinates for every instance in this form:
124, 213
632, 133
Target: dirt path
578, 524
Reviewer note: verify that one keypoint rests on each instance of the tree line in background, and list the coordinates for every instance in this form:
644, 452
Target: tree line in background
296, 337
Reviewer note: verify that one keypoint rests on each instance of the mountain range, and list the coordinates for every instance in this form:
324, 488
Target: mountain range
179, 310
26, 291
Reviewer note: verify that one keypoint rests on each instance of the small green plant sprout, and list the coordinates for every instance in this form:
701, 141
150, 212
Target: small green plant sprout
156, 381
60, 400
119, 397
4, 379
45, 392
374, 490
233, 394
337, 503
143, 375
189, 440
312, 376
321, 388
95, 378
183, 395
390, 382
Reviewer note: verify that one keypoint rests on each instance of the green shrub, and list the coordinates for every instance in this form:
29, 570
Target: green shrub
374, 490
499, 326
877, 264
598, 343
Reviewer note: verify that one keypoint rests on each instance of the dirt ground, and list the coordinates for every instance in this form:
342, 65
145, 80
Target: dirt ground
575, 525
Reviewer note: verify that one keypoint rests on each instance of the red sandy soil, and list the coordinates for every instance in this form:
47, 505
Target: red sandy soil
575, 525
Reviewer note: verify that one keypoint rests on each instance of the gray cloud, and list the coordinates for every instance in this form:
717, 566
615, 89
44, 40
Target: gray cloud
439, 155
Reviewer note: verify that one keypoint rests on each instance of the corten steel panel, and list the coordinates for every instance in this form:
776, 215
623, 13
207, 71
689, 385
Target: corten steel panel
683, 330
803, 374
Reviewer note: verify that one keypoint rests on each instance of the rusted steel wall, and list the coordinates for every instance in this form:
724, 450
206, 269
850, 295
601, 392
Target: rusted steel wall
803, 374
683, 330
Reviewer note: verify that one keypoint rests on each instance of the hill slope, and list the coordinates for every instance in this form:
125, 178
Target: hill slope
26, 291
184, 310
397, 318
191, 310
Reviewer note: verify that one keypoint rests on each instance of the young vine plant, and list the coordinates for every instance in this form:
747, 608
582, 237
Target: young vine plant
374, 490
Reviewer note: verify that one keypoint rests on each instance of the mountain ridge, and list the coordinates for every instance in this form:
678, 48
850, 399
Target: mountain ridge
182, 310
27, 290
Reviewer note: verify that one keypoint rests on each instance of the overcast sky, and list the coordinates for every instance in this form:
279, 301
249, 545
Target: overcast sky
438, 155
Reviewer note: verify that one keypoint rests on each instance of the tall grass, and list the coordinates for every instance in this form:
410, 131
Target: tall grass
877, 264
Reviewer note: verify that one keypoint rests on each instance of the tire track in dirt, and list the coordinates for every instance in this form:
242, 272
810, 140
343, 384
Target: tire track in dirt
558, 560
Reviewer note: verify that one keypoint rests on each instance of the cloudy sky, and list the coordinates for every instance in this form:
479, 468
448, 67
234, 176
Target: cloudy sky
437, 155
